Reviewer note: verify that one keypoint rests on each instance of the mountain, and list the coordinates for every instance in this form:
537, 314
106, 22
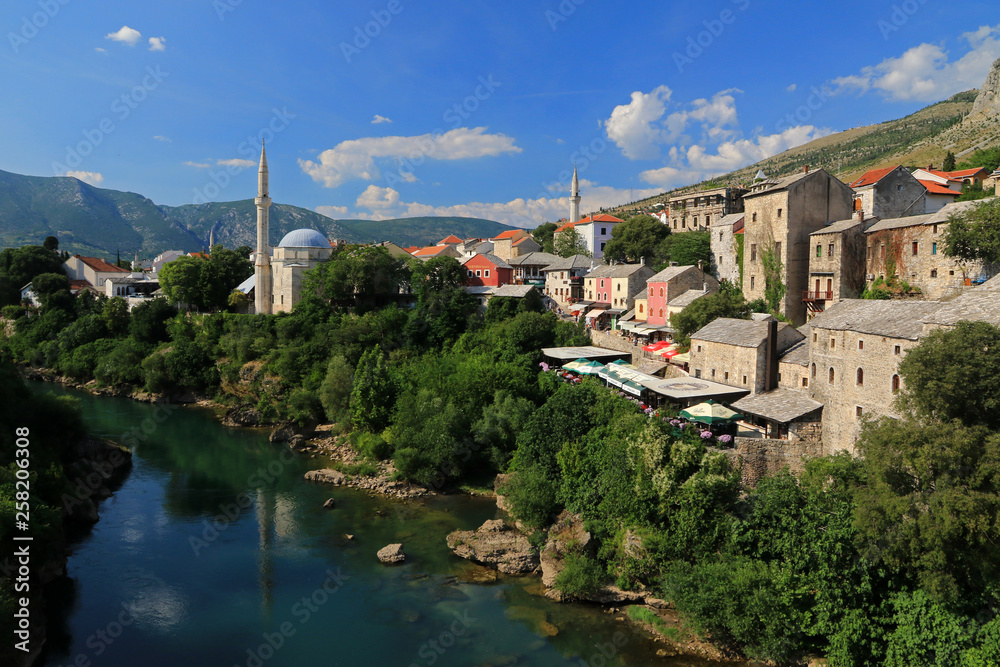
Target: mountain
961, 124
96, 221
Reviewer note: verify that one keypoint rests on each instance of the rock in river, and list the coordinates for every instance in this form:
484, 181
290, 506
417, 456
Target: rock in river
392, 553
496, 546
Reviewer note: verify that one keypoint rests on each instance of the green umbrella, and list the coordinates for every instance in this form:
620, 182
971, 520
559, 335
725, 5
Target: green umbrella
709, 412
590, 368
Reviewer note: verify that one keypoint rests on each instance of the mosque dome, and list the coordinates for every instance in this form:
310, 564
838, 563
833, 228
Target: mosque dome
304, 238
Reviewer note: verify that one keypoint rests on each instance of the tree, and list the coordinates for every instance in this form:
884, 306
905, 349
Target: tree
774, 287
238, 301
974, 234
19, 266
221, 274
949, 162
374, 393
359, 279
116, 316
543, 236
728, 302
569, 242
689, 248
954, 374
149, 321
52, 290
636, 238
436, 275
335, 392
181, 280
51, 243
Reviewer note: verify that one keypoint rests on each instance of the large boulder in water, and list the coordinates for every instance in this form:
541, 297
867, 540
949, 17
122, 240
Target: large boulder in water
495, 545
392, 554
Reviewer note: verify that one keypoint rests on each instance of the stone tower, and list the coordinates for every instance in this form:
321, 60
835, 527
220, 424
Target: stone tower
262, 258
574, 199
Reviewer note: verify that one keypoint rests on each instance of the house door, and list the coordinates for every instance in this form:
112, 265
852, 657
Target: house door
829, 286
817, 287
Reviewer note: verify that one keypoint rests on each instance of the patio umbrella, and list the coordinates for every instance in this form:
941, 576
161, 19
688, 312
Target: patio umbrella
710, 412
571, 366
672, 352
590, 368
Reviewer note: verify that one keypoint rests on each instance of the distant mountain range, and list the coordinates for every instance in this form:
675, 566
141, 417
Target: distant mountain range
95, 221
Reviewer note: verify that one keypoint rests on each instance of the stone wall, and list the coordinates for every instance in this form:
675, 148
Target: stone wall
729, 364
937, 275
757, 458
840, 260
724, 254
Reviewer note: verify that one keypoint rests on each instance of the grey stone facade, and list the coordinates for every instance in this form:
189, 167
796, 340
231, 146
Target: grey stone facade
889, 193
734, 352
699, 210
724, 249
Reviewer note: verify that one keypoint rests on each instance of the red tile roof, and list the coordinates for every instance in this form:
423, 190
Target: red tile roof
429, 251
100, 265
568, 225
200, 255
966, 172
522, 239
600, 217
78, 284
937, 189
872, 177
449, 240
508, 234
412, 249
940, 174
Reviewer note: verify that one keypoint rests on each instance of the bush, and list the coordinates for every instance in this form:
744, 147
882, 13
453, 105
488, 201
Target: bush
371, 445
532, 497
580, 577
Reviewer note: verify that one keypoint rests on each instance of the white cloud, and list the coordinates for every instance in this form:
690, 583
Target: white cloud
791, 88
927, 73
92, 177
157, 44
355, 158
380, 119
236, 162
160, 137
100, 50
198, 165
126, 36
635, 128
384, 203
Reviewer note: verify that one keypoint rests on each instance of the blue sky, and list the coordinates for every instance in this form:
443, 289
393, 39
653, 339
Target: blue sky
386, 108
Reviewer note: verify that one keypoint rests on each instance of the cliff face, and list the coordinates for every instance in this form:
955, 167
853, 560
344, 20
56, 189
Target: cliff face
988, 100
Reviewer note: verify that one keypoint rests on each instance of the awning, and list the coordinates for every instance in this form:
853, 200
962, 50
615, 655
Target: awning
633, 388
576, 307
630, 315
596, 312
614, 311
682, 358
626, 326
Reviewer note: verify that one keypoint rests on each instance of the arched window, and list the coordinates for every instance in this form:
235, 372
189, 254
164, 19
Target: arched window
661, 291
814, 371
650, 291
661, 312
895, 384
831, 374
861, 377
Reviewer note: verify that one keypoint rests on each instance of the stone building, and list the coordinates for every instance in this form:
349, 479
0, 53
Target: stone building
854, 352
617, 284
793, 366
512, 243
669, 284
725, 247
699, 210
681, 302
564, 278
892, 192
594, 230
297, 252
741, 353
836, 269
912, 248
779, 217
528, 267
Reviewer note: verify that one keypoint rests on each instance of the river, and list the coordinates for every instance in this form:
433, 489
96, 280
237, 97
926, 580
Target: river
215, 552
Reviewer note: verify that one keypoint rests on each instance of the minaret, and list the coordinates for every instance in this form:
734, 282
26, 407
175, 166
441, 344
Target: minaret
574, 199
211, 238
262, 258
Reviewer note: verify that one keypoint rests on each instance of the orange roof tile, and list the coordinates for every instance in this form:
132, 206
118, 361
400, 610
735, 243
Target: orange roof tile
568, 225
429, 251
508, 234
200, 255
600, 217
966, 172
450, 239
937, 189
523, 239
100, 265
872, 177
940, 174
412, 249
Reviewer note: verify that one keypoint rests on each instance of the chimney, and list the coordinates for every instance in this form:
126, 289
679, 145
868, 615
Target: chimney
930, 167
861, 215
805, 169
771, 360
642, 261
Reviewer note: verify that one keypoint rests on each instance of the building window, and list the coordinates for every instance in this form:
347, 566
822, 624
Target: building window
895, 384
833, 343
720, 260
934, 248
933, 273
861, 377
779, 214
697, 372
805, 382
604, 231
699, 348
661, 291
896, 351
858, 411
951, 273
744, 379
471, 274
479, 273
815, 336
713, 372
661, 312
831, 374
602, 246
720, 236
726, 376
861, 344
650, 291
934, 229
619, 287
819, 250
829, 250
814, 370
915, 246
640, 309
751, 282
753, 218
881, 251
753, 252
486, 273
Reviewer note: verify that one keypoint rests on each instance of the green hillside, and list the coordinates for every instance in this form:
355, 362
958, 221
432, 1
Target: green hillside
96, 221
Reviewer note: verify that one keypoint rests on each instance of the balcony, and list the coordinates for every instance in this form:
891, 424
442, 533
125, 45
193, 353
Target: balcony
817, 296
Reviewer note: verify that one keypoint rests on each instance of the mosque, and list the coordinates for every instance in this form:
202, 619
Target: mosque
277, 279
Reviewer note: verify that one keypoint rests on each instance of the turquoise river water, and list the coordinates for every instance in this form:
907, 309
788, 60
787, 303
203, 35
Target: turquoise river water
215, 552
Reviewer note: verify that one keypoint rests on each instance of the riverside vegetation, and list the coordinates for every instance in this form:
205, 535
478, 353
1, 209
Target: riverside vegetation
889, 558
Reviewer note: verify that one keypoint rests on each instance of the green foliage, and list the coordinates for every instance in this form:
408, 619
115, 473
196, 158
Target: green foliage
371, 445
988, 158
727, 302
974, 234
116, 316
926, 633
357, 278
774, 287
20, 266
374, 393
949, 162
687, 249
568, 243
335, 393
543, 234
149, 321
973, 192
206, 284
532, 496
635, 239
580, 576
